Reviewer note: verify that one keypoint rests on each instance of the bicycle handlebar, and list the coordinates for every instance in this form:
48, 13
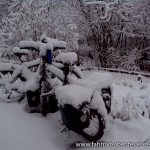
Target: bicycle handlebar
32, 45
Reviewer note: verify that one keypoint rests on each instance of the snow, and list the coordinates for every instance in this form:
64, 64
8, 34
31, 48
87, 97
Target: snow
67, 58
81, 90
130, 99
96, 81
56, 43
59, 65
4, 78
86, 90
32, 78
78, 71
17, 50
98, 104
51, 44
31, 83
43, 37
134, 131
6, 67
56, 71
29, 44
31, 63
20, 130
95, 2
55, 83
108, 8
44, 47
15, 74
59, 73
73, 94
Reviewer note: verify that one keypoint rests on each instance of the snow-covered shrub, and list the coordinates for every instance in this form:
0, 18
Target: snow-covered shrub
130, 100
113, 58
129, 62
126, 62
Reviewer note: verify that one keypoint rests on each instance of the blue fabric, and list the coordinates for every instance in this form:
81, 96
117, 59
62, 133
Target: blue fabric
49, 56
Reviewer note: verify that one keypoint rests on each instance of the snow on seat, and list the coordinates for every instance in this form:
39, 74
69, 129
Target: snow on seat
82, 89
67, 58
73, 94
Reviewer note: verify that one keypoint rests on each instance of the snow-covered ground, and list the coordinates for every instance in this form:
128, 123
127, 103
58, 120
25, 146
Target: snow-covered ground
20, 130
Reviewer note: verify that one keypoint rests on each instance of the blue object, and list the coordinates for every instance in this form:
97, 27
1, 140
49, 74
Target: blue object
49, 56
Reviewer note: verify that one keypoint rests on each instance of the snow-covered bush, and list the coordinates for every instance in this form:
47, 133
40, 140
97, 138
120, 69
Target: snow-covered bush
127, 62
130, 100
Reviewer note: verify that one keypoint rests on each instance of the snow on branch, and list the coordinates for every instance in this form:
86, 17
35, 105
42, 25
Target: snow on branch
130, 34
120, 9
95, 2
108, 7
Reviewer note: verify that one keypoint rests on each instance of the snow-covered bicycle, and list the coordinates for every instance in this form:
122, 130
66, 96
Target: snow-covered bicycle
58, 84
